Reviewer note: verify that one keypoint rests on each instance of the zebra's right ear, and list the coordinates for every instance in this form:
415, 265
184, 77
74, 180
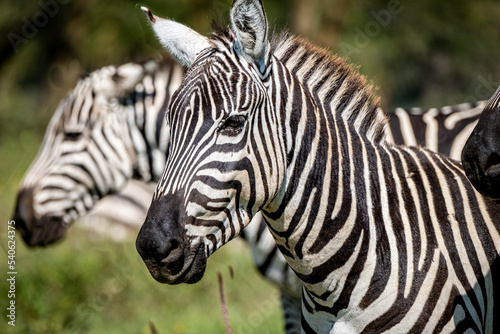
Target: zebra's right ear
183, 43
249, 23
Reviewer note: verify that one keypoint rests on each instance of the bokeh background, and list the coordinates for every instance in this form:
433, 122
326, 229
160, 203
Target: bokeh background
418, 53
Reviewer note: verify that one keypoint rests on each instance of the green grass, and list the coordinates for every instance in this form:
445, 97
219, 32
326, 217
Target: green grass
86, 286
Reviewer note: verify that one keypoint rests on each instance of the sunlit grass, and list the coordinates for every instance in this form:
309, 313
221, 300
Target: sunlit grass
85, 286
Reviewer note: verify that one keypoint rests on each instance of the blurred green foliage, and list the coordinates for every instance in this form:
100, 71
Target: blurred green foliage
425, 53
428, 53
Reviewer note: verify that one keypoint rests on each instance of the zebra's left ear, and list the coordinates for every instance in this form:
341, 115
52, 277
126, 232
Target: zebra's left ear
183, 43
249, 23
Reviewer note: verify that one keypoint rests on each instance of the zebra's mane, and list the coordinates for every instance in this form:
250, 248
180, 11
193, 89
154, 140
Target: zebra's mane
333, 82
336, 85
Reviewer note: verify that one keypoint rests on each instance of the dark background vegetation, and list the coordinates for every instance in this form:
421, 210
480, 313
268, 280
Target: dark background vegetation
418, 53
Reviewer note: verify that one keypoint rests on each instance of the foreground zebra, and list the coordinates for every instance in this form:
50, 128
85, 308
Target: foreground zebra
51, 195
384, 238
94, 144
132, 89
481, 154
51, 188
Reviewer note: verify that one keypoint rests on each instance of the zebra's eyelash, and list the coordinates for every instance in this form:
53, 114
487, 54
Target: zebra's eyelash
232, 124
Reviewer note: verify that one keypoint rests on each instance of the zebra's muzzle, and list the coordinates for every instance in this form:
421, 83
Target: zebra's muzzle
36, 231
171, 256
167, 270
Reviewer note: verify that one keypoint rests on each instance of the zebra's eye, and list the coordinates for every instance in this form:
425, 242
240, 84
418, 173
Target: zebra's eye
72, 136
234, 123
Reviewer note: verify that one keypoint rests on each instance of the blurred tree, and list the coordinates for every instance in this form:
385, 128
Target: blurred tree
426, 53
320, 20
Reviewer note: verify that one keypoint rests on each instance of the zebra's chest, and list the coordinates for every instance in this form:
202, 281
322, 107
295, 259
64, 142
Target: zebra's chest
393, 232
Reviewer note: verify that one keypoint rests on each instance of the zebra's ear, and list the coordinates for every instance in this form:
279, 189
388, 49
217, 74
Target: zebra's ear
249, 23
183, 43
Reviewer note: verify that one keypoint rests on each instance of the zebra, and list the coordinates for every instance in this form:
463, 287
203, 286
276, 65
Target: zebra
118, 84
94, 144
481, 154
383, 237
130, 204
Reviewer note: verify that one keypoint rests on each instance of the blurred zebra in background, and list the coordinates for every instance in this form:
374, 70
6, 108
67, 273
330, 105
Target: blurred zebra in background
384, 238
142, 91
107, 131
444, 130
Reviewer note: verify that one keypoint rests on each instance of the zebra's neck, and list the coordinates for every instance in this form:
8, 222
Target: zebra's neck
345, 201
316, 197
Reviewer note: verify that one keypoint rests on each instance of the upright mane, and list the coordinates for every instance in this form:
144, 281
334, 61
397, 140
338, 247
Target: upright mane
335, 84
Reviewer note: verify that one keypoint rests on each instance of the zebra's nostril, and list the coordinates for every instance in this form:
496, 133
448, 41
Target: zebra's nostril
172, 249
171, 252
173, 256
492, 168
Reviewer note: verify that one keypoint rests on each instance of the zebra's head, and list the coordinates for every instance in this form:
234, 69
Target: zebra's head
481, 153
214, 179
86, 154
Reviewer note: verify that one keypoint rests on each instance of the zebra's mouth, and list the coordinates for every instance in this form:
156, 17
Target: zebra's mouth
192, 271
42, 232
35, 230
